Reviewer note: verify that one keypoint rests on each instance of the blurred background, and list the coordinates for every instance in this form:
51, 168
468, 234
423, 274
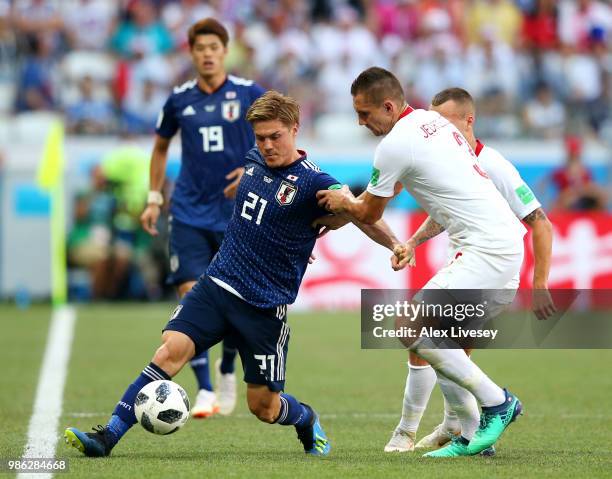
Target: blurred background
540, 71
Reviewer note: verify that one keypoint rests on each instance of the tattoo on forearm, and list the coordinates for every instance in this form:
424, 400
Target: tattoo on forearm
536, 215
427, 230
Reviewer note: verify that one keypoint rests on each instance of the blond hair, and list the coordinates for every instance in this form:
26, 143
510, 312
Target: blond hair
273, 105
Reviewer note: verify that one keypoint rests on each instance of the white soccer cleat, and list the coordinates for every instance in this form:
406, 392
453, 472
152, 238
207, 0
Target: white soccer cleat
226, 390
401, 441
438, 438
205, 405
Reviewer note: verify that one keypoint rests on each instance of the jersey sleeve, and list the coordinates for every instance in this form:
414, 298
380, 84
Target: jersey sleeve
511, 185
167, 124
386, 172
323, 181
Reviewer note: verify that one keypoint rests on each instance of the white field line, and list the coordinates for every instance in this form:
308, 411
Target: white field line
42, 432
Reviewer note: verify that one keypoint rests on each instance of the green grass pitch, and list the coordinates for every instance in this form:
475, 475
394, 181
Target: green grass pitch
566, 430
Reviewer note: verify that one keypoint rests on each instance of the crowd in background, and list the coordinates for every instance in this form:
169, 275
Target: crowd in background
536, 67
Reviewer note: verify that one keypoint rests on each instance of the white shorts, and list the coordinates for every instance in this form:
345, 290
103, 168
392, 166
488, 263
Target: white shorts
497, 276
477, 270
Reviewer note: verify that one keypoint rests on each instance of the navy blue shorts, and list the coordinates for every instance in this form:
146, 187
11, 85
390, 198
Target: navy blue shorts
209, 313
191, 250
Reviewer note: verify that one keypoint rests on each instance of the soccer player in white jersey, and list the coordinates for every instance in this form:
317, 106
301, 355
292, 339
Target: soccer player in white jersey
431, 159
457, 105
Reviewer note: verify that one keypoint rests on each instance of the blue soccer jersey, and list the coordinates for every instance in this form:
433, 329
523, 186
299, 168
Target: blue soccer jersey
270, 238
215, 138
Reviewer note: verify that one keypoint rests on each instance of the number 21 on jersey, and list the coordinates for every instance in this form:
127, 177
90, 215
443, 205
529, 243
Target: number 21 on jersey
212, 138
250, 206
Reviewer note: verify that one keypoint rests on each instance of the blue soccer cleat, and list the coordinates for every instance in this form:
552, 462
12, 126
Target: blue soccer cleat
313, 437
92, 444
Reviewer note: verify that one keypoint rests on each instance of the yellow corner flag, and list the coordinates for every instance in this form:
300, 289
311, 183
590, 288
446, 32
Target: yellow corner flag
51, 168
50, 177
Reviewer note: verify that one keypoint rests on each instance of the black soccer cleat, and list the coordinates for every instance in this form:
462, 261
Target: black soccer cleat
313, 437
92, 444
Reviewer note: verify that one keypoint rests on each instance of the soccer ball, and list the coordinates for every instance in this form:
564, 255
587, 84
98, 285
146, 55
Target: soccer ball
162, 407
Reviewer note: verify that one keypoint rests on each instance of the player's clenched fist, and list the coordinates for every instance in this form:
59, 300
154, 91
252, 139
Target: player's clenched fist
403, 254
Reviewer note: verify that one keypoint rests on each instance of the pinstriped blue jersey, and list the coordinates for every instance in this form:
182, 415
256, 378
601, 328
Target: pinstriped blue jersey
270, 238
215, 138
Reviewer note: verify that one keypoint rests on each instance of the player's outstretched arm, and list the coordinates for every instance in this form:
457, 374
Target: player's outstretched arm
541, 237
157, 176
367, 208
380, 232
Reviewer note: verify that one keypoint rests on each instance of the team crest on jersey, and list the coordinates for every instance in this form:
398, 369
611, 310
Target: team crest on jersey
286, 193
230, 110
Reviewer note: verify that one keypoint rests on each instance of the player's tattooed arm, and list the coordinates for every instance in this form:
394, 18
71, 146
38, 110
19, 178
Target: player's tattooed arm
404, 254
536, 215
542, 246
541, 238
428, 229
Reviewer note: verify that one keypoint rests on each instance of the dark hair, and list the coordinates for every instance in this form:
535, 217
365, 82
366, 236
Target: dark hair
273, 105
207, 26
377, 84
458, 95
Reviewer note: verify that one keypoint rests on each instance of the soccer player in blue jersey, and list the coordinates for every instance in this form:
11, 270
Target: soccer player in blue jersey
215, 137
248, 285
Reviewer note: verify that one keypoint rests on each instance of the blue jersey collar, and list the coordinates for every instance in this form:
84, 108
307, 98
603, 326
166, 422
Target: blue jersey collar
255, 155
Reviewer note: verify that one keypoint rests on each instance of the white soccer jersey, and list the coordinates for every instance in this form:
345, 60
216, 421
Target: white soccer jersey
507, 180
433, 161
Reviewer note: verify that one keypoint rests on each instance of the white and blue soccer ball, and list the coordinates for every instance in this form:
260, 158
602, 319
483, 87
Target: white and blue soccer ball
162, 407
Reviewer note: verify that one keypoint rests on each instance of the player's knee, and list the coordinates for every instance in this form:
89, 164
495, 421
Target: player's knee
415, 360
174, 352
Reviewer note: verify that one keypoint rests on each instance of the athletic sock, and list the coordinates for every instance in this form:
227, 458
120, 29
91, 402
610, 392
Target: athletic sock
123, 417
294, 413
459, 368
228, 357
419, 384
463, 403
199, 364
451, 421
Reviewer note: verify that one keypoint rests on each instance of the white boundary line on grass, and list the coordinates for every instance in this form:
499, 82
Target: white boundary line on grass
42, 432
